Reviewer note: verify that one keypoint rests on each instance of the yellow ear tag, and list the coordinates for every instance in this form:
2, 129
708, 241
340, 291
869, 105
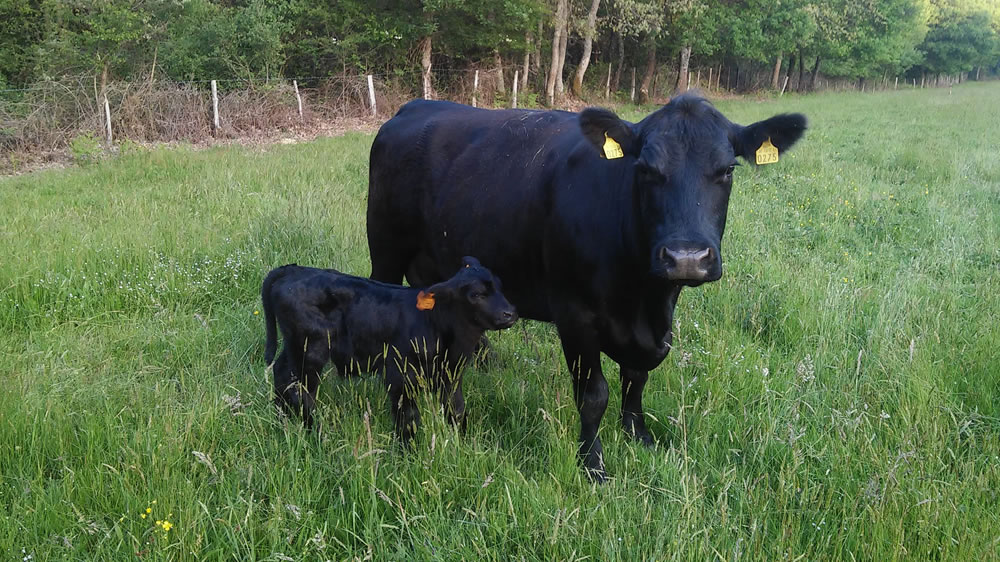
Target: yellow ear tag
612, 149
425, 301
767, 153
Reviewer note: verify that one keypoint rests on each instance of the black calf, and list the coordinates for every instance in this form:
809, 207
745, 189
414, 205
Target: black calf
413, 336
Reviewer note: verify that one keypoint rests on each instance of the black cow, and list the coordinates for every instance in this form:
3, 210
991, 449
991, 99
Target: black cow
593, 222
412, 336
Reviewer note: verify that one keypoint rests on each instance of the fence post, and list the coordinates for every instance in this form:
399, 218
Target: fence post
475, 88
514, 105
215, 108
371, 95
688, 87
607, 85
895, 85
710, 69
632, 98
785, 84
298, 98
697, 81
107, 117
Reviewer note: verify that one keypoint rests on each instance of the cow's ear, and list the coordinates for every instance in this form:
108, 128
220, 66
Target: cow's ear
783, 130
601, 125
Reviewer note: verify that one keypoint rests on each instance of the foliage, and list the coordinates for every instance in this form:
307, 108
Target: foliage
260, 40
85, 149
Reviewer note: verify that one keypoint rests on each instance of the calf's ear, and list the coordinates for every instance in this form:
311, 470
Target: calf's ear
783, 130
600, 126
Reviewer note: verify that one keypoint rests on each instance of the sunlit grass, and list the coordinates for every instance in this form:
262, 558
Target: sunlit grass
834, 396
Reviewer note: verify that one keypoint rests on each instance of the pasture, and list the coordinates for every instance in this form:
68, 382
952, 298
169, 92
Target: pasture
835, 396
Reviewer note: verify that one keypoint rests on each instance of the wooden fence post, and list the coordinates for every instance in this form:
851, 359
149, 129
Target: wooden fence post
632, 97
107, 118
697, 81
607, 85
475, 88
514, 104
298, 98
215, 108
371, 95
710, 69
785, 84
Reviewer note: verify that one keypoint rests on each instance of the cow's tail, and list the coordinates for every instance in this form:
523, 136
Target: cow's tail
270, 327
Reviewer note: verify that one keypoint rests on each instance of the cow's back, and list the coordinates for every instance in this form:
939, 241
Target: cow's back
448, 180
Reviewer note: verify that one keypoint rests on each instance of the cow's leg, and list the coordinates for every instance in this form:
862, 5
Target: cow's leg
392, 253
405, 415
590, 390
633, 382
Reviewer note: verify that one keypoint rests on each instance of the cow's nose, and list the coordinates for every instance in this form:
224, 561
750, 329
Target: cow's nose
686, 264
507, 318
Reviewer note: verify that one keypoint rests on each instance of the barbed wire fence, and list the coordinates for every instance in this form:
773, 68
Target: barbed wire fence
50, 114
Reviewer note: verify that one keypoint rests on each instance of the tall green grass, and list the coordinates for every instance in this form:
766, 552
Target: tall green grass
835, 396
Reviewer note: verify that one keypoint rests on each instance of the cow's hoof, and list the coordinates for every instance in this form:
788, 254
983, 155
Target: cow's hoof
636, 429
596, 475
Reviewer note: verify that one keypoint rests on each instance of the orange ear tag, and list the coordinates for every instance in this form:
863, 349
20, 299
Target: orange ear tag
425, 301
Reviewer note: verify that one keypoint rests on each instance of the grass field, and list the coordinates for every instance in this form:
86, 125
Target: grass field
835, 396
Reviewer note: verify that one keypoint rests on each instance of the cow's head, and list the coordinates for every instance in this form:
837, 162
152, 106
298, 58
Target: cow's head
474, 293
684, 156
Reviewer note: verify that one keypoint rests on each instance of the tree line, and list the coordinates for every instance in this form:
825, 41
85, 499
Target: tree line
550, 43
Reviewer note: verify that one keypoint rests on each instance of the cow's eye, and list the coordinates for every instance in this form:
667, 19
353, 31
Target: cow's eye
727, 174
477, 296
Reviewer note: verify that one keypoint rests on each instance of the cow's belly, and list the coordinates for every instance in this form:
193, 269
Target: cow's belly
637, 349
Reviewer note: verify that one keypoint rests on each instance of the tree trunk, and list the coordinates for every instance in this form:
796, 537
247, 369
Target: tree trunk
620, 48
425, 67
978, 68
776, 75
563, 42
815, 71
588, 46
682, 69
558, 22
104, 82
802, 71
527, 60
538, 48
647, 76
499, 62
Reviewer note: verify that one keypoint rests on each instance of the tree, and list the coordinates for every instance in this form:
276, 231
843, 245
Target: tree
958, 37
588, 43
559, 19
21, 29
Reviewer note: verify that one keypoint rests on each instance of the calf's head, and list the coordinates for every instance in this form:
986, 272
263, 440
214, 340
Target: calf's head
474, 294
684, 157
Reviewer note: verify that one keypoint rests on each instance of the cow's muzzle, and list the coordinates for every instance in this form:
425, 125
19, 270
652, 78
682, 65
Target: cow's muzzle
686, 264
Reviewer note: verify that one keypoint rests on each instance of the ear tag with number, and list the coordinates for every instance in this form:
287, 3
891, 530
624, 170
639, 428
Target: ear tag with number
767, 153
425, 301
612, 149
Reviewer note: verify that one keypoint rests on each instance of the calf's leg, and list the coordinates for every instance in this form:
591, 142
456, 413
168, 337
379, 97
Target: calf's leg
308, 358
453, 400
405, 415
